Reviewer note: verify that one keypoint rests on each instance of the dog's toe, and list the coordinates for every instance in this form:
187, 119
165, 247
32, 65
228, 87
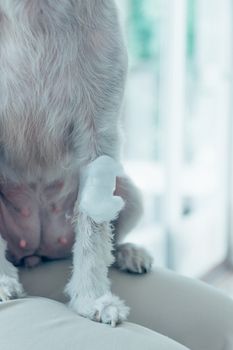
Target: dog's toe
111, 310
133, 259
108, 309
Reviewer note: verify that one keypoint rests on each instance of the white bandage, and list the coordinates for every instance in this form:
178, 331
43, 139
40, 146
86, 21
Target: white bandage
97, 185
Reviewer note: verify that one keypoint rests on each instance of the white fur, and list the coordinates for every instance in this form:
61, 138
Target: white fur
63, 66
9, 282
89, 284
110, 309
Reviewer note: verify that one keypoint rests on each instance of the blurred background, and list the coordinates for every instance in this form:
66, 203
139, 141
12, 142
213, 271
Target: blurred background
178, 121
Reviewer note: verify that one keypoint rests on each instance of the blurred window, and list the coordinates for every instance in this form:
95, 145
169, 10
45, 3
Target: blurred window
177, 119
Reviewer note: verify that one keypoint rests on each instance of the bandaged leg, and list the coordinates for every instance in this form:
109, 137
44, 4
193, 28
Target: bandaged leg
89, 287
97, 186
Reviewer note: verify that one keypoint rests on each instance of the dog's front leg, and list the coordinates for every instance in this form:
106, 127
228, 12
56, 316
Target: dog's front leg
10, 287
89, 287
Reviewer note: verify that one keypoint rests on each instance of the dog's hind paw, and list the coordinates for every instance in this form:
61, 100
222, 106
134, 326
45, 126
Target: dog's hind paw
10, 289
108, 309
132, 259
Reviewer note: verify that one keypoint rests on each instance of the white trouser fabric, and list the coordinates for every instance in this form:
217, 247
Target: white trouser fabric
177, 309
44, 324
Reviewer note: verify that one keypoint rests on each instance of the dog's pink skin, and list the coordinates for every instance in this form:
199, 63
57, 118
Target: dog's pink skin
34, 221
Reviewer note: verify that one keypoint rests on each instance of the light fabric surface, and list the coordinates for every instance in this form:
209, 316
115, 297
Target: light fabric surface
185, 310
42, 324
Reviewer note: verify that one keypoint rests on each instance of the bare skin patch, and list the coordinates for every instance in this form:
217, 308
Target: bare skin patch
36, 223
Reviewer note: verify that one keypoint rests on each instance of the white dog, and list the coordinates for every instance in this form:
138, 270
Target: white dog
62, 73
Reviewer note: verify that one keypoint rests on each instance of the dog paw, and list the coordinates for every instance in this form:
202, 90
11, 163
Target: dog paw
132, 259
10, 289
108, 309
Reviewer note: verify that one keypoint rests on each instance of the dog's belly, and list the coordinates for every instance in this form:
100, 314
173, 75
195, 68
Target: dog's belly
35, 220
